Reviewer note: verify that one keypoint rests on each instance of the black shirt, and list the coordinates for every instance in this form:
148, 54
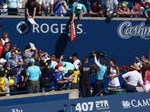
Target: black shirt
30, 7
86, 71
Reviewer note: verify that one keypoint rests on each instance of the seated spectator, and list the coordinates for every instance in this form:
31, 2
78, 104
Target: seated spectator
15, 62
137, 9
12, 81
60, 8
46, 6
147, 10
6, 49
13, 6
95, 9
2, 64
124, 10
111, 8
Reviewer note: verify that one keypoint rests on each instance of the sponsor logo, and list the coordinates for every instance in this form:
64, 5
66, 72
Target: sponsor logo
22, 27
55, 28
89, 106
126, 30
135, 103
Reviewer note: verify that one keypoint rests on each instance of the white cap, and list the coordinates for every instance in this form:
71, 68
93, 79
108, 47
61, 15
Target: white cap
61, 68
79, 6
2, 60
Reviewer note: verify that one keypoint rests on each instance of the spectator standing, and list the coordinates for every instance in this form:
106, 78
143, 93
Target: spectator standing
13, 6
68, 65
114, 73
30, 9
111, 7
143, 60
102, 68
134, 77
60, 8
47, 74
76, 61
32, 76
2, 82
85, 72
78, 9
46, 6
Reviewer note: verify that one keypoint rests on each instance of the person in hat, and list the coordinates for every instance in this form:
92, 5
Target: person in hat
124, 9
137, 9
132, 78
2, 64
32, 76
60, 79
78, 9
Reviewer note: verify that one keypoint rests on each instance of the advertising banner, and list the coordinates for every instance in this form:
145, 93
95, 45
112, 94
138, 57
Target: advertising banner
120, 39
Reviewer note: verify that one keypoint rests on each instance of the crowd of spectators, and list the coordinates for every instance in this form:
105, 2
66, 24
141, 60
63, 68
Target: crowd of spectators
33, 70
93, 8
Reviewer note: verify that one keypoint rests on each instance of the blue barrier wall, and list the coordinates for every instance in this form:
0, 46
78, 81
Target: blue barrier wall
122, 40
131, 102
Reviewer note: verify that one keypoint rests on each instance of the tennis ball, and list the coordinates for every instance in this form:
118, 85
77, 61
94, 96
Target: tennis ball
11, 81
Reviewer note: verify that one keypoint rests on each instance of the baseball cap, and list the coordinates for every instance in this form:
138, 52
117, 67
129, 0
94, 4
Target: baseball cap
137, 6
31, 60
79, 6
2, 60
61, 68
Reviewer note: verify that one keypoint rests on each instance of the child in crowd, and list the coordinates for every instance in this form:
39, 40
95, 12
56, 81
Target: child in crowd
147, 10
75, 75
2, 82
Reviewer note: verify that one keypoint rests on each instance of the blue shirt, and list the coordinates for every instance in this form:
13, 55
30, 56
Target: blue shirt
59, 77
101, 72
33, 72
75, 11
11, 62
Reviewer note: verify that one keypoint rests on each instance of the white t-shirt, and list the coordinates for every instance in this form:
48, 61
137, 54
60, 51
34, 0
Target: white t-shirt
133, 77
46, 3
110, 5
3, 41
76, 64
141, 10
146, 0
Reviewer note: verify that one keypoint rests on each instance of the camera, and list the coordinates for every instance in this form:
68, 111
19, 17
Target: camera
98, 53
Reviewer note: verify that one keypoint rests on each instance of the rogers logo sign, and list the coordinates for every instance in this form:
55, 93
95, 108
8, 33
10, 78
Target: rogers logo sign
126, 30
